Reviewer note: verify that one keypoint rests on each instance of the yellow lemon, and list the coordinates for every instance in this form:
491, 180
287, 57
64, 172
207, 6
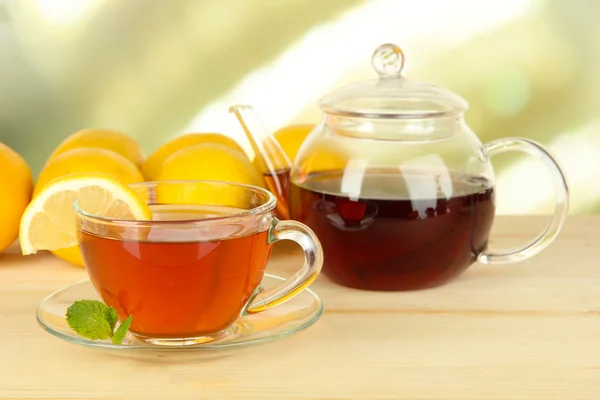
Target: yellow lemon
16, 185
104, 139
323, 156
88, 160
215, 162
49, 221
72, 255
290, 138
153, 164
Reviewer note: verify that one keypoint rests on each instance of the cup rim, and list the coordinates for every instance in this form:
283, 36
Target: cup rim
267, 206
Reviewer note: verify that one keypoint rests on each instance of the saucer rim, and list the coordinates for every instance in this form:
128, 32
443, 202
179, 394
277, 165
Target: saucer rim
196, 347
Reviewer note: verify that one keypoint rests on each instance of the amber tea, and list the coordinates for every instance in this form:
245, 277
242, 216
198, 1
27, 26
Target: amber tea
279, 186
403, 232
174, 283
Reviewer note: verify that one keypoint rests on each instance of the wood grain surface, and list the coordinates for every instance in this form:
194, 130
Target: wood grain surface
526, 331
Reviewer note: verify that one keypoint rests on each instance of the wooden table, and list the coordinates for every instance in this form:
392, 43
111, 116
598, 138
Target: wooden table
526, 331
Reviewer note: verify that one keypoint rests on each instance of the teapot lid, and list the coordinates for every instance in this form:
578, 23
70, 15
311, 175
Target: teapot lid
392, 95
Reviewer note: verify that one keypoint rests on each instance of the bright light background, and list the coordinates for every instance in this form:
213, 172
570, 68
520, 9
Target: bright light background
313, 65
159, 69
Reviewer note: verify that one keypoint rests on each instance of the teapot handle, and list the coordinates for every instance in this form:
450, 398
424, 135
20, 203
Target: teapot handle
560, 210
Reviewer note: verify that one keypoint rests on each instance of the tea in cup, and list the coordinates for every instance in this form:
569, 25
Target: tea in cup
187, 275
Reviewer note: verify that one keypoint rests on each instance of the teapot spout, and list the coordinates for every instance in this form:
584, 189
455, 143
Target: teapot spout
272, 160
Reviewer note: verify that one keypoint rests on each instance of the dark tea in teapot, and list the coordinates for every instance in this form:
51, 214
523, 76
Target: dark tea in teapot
403, 232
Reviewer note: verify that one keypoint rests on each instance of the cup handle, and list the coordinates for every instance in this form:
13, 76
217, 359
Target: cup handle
560, 210
313, 254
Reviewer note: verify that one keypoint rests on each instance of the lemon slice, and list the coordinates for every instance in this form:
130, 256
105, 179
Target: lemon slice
49, 221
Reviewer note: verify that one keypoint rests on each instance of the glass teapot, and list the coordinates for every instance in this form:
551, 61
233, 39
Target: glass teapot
396, 186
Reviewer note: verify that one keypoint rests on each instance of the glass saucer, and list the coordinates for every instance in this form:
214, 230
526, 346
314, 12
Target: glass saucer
293, 316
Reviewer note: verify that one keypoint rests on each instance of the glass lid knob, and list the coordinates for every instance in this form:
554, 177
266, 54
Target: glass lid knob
388, 61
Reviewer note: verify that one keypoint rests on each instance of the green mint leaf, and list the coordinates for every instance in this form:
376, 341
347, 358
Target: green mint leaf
110, 315
121, 331
87, 319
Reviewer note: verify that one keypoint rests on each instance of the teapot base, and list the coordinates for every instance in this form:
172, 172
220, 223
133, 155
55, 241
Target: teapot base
385, 282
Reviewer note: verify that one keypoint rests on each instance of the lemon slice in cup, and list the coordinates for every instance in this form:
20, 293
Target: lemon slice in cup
49, 222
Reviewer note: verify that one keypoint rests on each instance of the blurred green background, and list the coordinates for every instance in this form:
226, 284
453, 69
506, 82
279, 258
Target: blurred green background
156, 68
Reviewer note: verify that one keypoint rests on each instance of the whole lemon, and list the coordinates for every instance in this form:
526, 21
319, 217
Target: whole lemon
153, 164
323, 156
86, 160
209, 161
89, 160
290, 138
16, 185
105, 139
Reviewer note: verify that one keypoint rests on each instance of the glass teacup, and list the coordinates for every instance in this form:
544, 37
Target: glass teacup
187, 275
